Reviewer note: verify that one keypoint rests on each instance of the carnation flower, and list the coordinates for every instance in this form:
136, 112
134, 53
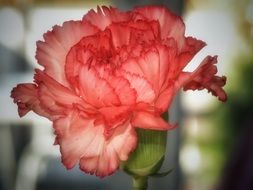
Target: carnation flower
108, 74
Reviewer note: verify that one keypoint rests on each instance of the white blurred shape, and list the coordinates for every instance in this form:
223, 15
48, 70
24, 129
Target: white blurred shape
190, 158
197, 101
193, 127
11, 28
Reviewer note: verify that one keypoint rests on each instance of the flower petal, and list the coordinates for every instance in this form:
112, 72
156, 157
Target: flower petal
114, 150
96, 90
105, 16
26, 97
143, 88
114, 115
52, 53
120, 35
165, 98
166, 57
169, 72
54, 97
131, 66
122, 88
191, 47
80, 140
62, 93
92, 50
74, 135
150, 66
150, 28
204, 77
147, 120
123, 140
170, 24
143, 31
76, 57
120, 85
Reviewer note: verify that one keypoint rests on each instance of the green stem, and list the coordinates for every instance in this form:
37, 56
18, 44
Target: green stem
140, 183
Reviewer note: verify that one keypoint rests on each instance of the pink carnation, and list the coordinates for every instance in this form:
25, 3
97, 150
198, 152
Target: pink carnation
109, 73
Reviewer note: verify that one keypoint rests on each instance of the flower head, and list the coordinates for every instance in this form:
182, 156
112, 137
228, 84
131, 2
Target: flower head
109, 73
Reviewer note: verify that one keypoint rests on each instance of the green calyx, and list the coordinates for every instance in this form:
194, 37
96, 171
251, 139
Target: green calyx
147, 159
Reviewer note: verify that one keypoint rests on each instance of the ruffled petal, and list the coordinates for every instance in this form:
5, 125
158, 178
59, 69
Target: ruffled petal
171, 26
132, 66
120, 35
205, 77
123, 140
54, 97
165, 98
106, 159
26, 97
150, 28
81, 141
166, 57
127, 95
167, 74
134, 32
122, 88
155, 65
51, 53
95, 90
148, 120
61, 93
74, 134
92, 50
191, 47
115, 115
143, 88
150, 66
76, 57
105, 16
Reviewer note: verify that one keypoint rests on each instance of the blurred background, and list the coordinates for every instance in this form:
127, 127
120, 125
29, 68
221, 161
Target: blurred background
211, 150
